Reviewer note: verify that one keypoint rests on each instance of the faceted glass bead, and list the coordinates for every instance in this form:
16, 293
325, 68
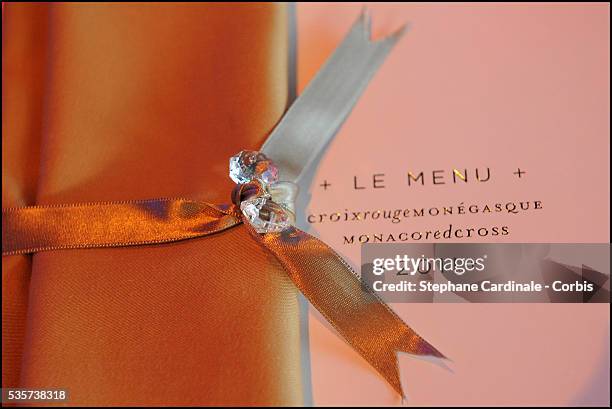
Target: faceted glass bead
264, 215
249, 165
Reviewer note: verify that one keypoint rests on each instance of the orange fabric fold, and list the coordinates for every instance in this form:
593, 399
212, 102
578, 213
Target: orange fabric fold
115, 102
23, 65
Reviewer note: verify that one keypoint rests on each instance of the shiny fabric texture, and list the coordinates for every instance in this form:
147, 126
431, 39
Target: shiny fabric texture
359, 316
130, 101
41, 228
324, 278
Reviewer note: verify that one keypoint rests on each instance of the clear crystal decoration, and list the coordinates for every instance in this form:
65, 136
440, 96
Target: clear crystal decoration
249, 165
264, 215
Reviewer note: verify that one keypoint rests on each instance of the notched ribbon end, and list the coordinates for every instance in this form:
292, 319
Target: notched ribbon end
424, 351
363, 25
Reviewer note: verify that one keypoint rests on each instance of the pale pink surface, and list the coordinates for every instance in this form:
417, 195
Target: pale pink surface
470, 85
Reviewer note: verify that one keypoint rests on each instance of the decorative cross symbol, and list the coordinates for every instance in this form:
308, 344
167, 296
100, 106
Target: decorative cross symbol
325, 185
519, 172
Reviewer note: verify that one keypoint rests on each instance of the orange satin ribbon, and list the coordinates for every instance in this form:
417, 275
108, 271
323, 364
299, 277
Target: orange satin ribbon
324, 278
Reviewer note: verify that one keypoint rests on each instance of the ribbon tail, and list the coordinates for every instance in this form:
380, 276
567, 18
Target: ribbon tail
333, 288
314, 118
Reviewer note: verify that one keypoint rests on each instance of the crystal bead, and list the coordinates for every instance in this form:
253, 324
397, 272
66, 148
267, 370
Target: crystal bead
249, 165
284, 194
264, 215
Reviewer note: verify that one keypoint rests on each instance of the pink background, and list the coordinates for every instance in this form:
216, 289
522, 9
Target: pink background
475, 85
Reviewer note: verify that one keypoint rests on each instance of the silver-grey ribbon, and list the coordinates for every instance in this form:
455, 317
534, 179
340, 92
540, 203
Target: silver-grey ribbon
318, 113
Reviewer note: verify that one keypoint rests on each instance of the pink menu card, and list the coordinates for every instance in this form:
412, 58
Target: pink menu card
478, 105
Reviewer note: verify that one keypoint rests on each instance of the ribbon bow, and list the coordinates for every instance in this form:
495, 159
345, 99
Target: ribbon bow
323, 277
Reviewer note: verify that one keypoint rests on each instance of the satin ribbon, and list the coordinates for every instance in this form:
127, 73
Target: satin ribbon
319, 112
324, 278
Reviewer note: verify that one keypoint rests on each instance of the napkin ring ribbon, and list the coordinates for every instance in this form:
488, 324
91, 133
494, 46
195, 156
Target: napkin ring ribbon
264, 205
